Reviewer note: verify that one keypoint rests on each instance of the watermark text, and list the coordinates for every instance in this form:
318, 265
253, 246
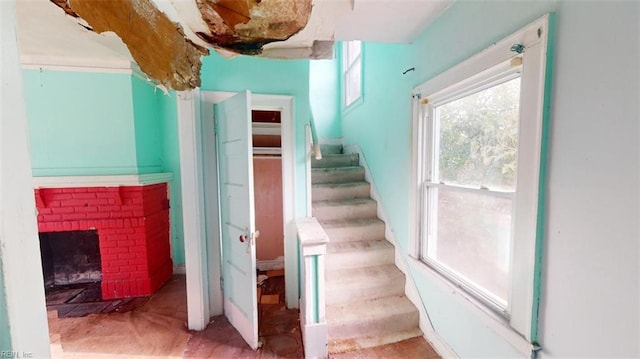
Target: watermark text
15, 354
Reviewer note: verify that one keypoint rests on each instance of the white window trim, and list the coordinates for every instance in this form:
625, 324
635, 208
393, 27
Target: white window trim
496, 75
348, 68
531, 119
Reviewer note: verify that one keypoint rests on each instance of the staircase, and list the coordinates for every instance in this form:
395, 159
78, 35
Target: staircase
366, 305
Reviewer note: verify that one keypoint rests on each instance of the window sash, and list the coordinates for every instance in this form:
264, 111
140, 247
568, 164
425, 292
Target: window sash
429, 238
351, 66
352, 87
494, 76
352, 51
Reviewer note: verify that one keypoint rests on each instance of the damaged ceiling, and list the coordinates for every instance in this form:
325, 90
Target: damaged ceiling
167, 38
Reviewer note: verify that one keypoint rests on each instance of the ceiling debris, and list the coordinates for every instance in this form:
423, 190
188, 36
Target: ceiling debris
64, 5
163, 51
158, 45
245, 26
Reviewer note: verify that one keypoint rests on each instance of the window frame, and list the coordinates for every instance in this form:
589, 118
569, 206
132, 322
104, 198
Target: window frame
497, 75
528, 217
348, 68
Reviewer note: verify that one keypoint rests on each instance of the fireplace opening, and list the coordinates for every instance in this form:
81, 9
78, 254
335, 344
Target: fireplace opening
71, 260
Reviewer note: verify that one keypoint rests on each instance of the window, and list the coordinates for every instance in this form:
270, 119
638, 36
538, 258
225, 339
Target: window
471, 186
351, 71
477, 156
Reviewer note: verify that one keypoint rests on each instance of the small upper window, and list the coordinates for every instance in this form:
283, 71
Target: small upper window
351, 71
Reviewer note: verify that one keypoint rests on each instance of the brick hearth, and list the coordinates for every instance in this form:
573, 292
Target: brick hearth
133, 231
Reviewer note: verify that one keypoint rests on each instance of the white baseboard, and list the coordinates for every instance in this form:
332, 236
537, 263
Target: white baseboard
179, 269
439, 345
411, 290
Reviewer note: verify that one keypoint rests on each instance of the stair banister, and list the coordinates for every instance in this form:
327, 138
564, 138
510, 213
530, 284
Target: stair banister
313, 241
314, 144
312, 149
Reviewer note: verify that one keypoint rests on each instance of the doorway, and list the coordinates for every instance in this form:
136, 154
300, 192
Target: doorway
267, 182
210, 300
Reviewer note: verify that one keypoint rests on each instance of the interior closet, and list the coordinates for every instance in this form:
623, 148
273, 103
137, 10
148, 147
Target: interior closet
267, 173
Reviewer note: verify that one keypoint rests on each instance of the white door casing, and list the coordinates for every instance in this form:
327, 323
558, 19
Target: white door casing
202, 245
284, 104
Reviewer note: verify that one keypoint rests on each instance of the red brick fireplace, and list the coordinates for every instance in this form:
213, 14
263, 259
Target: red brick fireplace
132, 222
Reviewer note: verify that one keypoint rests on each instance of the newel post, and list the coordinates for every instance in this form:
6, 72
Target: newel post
313, 247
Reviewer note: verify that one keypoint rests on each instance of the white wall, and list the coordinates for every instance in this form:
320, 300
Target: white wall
19, 245
590, 290
590, 295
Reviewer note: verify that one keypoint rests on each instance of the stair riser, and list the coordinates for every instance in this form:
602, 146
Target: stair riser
344, 212
374, 327
356, 233
341, 192
337, 261
336, 346
337, 176
350, 293
330, 161
331, 149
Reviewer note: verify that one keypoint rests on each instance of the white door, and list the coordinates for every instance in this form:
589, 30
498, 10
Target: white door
237, 215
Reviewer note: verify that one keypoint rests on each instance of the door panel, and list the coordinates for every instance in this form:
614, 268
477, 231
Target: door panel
233, 118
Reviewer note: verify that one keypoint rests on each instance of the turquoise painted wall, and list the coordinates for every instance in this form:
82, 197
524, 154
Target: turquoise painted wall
379, 125
324, 97
267, 76
5, 334
157, 148
80, 123
83, 123
575, 289
171, 163
147, 126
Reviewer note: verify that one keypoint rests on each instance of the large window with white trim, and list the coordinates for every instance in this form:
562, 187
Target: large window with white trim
471, 185
478, 158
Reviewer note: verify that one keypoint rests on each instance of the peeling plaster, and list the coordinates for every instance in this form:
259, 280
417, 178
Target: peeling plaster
158, 45
163, 51
64, 5
245, 26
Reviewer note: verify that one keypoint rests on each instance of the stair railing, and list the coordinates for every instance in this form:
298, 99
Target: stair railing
312, 241
314, 143
312, 150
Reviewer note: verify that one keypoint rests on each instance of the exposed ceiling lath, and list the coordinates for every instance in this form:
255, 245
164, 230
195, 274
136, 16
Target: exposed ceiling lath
157, 44
246, 26
163, 51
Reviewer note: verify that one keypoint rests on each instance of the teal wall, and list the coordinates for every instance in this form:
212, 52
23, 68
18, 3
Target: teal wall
83, 123
171, 163
5, 334
380, 126
147, 126
80, 123
324, 97
267, 76
589, 64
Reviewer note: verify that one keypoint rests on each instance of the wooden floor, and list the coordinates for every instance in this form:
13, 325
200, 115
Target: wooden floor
80, 300
157, 329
